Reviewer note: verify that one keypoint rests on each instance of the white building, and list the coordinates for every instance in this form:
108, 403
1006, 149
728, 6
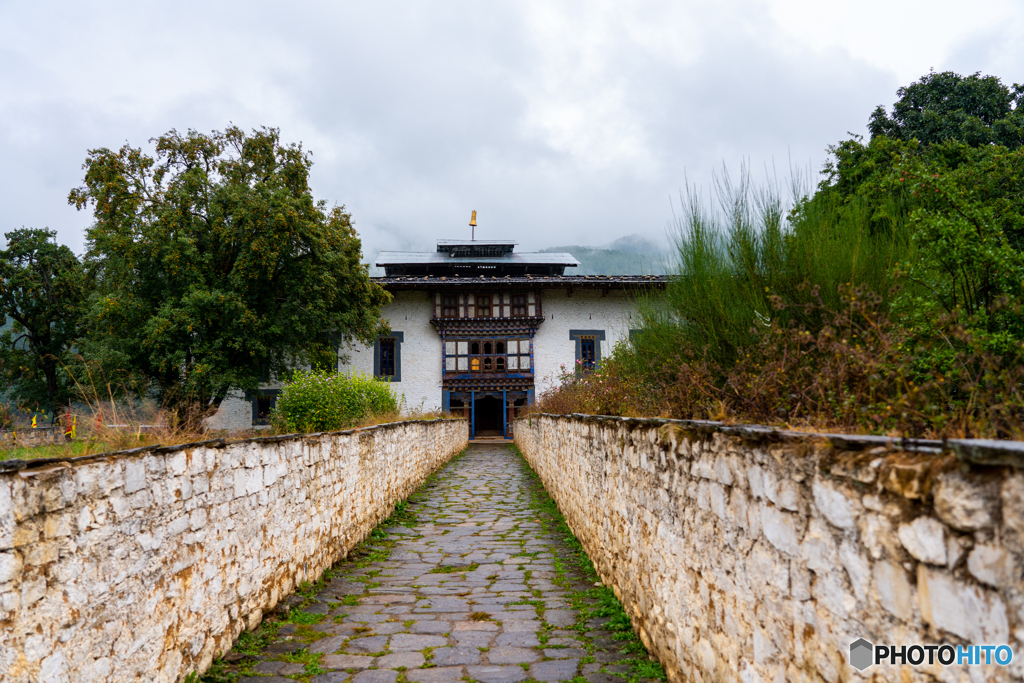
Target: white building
479, 328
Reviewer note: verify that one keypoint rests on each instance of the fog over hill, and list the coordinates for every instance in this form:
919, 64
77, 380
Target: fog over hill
629, 255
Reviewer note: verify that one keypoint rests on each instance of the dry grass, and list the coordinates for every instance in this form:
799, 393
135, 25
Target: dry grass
856, 372
112, 425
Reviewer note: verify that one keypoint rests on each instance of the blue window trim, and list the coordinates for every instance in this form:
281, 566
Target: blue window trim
399, 337
598, 336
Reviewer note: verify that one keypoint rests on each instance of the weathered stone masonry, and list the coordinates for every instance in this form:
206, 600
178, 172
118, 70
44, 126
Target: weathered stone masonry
143, 566
745, 554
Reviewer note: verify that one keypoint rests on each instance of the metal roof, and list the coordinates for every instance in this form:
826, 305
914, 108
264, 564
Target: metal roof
581, 281
483, 243
402, 258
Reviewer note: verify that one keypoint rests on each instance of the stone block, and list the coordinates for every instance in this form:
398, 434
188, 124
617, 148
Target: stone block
992, 565
857, 567
799, 581
924, 539
780, 528
10, 565
722, 471
1011, 494
839, 508
755, 479
965, 504
177, 463
893, 589
134, 475
974, 614
32, 590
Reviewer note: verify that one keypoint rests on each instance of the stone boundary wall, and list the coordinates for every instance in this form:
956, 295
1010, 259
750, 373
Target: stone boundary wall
750, 554
144, 565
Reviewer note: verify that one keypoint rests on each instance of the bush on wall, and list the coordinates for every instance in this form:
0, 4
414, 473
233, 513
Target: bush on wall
325, 401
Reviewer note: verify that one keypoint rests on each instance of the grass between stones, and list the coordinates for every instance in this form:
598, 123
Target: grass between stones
598, 602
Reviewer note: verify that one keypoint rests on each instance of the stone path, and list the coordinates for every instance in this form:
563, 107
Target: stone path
476, 587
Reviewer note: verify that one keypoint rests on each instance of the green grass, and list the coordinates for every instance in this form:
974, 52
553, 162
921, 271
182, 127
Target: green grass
67, 450
451, 569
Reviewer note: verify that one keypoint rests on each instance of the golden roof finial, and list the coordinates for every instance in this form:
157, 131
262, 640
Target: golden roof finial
472, 221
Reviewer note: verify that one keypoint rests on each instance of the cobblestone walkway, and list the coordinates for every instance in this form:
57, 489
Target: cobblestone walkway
475, 586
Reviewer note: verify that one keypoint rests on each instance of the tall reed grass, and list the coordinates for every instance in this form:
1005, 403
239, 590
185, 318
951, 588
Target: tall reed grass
781, 310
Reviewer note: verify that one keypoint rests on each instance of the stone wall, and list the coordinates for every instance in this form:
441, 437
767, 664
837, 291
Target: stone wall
747, 554
145, 565
29, 438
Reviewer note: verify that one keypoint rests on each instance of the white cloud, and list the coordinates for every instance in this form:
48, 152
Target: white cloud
560, 122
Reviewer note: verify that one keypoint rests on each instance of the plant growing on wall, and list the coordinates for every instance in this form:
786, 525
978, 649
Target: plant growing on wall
215, 268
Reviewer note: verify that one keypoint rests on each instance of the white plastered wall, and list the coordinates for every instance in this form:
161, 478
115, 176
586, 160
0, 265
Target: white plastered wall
410, 312
584, 310
420, 356
235, 414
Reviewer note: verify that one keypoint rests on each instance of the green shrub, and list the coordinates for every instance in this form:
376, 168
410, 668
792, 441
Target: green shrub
325, 401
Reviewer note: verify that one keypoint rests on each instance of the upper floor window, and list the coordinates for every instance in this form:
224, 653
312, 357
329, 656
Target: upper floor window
519, 305
487, 355
450, 306
483, 306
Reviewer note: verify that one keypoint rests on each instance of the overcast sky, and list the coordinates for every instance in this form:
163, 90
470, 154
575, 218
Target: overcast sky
559, 122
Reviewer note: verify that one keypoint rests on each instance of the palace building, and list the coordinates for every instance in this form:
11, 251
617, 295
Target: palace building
477, 327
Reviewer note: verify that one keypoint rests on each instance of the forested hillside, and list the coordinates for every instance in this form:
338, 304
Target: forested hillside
630, 255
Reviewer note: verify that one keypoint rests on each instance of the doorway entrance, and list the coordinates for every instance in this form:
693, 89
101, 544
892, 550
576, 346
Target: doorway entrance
488, 417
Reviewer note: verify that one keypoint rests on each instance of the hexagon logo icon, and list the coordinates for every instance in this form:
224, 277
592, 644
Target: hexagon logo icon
861, 654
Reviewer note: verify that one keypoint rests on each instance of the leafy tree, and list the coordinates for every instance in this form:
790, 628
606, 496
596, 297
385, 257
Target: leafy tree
964, 263
214, 265
42, 293
976, 110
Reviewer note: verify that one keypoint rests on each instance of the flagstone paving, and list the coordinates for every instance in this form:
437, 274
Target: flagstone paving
475, 584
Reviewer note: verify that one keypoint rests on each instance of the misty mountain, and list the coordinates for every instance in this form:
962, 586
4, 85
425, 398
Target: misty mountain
630, 255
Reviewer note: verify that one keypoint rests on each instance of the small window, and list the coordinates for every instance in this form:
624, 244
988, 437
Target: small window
519, 305
487, 364
387, 357
450, 307
500, 364
475, 348
513, 346
524, 363
513, 362
499, 347
483, 307
263, 404
588, 359
487, 347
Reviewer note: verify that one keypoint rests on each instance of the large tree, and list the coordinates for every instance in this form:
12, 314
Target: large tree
42, 294
214, 267
945, 106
